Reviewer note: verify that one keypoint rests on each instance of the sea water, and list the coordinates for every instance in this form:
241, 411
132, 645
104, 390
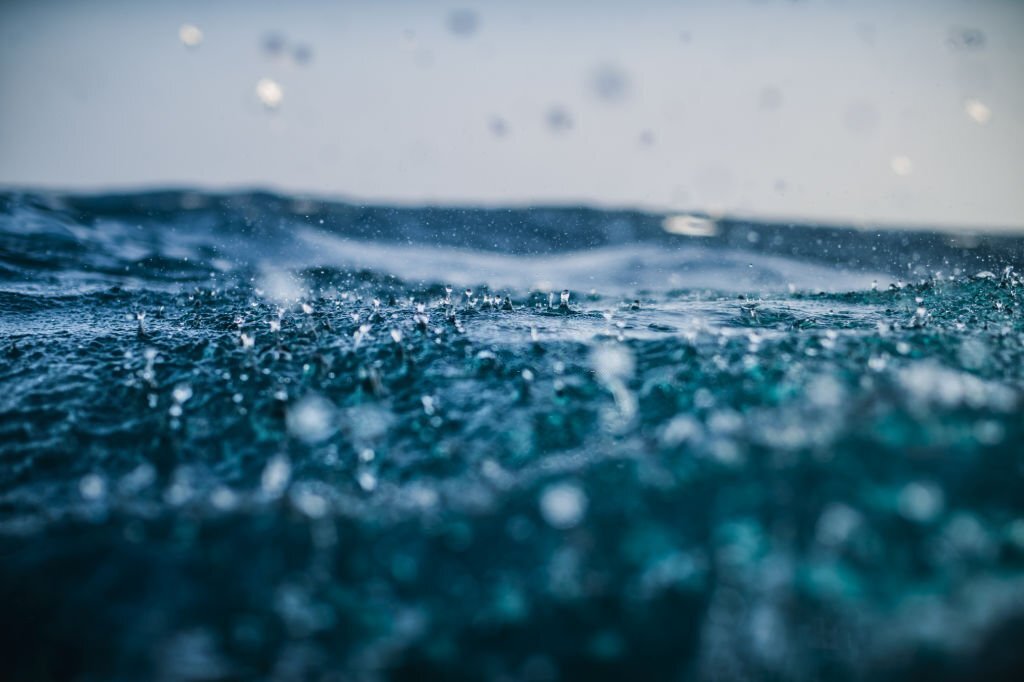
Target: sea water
249, 436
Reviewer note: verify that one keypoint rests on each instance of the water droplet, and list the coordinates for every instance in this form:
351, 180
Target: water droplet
309, 503
769, 99
92, 487
269, 93
860, 117
367, 481
463, 22
273, 45
609, 83
396, 335
190, 35
978, 111
498, 126
921, 502
312, 419
962, 38
276, 475
181, 393
558, 120
563, 505
901, 165
302, 54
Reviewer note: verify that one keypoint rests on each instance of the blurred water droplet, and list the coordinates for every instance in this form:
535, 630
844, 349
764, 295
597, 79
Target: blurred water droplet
302, 54
463, 22
612, 363
312, 419
367, 481
273, 44
901, 165
190, 35
309, 503
921, 502
962, 38
498, 126
563, 505
269, 93
769, 99
276, 475
558, 120
978, 111
92, 486
860, 117
181, 393
609, 83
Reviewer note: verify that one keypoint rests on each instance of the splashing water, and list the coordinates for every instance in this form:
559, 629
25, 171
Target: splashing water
720, 457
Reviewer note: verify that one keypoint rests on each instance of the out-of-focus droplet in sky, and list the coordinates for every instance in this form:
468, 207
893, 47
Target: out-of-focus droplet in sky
269, 93
302, 54
978, 111
498, 126
609, 83
961, 38
901, 165
866, 32
463, 22
769, 99
860, 117
646, 138
558, 119
190, 35
273, 44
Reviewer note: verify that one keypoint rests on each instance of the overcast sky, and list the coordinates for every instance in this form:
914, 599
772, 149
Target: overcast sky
906, 112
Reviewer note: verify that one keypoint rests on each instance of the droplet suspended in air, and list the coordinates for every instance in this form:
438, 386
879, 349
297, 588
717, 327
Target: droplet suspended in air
901, 165
92, 486
609, 83
312, 419
181, 393
769, 99
302, 54
269, 93
962, 38
273, 45
498, 126
463, 22
563, 505
276, 475
558, 120
190, 35
978, 111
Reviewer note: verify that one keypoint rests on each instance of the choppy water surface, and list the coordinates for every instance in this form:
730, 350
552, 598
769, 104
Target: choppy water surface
250, 436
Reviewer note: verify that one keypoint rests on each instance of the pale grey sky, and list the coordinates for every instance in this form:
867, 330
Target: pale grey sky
896, 112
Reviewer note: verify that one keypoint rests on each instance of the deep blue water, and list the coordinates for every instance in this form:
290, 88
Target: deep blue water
251, 436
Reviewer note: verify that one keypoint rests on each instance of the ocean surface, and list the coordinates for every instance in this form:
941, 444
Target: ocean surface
250, 436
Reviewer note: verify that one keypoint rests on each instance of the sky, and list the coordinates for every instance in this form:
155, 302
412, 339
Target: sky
867, 113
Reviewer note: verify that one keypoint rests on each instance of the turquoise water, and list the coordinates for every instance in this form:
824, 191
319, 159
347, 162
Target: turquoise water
251, 436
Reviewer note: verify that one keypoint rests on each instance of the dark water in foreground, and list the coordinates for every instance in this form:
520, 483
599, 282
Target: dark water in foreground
254, 437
